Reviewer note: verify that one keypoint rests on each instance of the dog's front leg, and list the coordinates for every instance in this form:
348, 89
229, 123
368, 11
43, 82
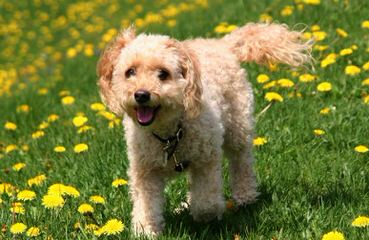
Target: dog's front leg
146, 187
206, 191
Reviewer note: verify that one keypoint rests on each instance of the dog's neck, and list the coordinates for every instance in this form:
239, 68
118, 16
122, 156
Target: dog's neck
168, 130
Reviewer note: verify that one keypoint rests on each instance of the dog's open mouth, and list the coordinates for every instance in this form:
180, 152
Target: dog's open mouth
146, 115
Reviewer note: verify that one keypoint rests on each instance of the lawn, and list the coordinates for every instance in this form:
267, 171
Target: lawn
62, 154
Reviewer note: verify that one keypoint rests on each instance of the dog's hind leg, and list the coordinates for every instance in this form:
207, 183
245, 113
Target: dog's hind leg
238, 142
242, 177
206, 191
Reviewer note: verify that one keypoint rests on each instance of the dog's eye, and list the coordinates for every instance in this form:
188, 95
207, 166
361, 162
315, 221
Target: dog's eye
163, 74
130, 72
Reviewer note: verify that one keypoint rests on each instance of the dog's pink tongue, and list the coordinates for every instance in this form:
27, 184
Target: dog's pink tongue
145, 114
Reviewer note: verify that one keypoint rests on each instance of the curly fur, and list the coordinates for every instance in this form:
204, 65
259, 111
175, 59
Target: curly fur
207, 92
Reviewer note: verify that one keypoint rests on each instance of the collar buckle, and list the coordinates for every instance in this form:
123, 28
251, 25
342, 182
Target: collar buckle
169, 149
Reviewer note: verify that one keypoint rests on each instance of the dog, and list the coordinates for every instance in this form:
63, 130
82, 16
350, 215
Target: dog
185, 104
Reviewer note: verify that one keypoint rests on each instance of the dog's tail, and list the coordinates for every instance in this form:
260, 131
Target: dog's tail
269, 43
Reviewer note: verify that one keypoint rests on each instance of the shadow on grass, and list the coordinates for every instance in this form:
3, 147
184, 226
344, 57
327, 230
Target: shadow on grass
234, 221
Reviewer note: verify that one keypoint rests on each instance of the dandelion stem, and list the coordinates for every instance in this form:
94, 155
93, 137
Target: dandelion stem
263, 111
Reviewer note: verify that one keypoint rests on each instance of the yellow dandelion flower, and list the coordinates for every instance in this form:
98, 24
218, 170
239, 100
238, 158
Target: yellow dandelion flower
84, 128
85, 208
325, 111
26, 195
43, 91
71, 191
56, 189
98, 232
25, 147
97, 107
18, 166
52, 201
346, 51
97, 199
88, 51
319, 132
7, 188
361, 221
77, 225
361, 149
17, 208
319, 35
324, 87
61, 189
59, 149
366, 99
112, 124
10, 126
119, 182
311, 2
365, 82
23, 108
171, 23
10, 148
320, 47
91, 227
71, 52
270, 84
18, 228
111, 227
262, 78
287, 11
79, 121
230, 28
259, 141
352, 70
64, 93
221, 28
273, 96
285, 83
108, 115
307, 35
328, 60
365, 24
366, 66
43, 125
33, 232
38, 180
315, 28
52, 118
334, 235
342, 33
38, 134
81, 147
264, 17
273, 67
306, 77
68, 100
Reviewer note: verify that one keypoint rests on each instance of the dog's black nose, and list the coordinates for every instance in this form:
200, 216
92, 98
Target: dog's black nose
142, 96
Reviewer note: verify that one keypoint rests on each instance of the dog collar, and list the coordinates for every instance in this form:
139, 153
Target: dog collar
170, 147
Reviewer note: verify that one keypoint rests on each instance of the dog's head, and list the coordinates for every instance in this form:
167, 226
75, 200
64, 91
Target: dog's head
151, 78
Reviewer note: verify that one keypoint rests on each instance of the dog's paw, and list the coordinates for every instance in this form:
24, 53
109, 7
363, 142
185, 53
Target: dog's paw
244, 198
150, 230
207, 213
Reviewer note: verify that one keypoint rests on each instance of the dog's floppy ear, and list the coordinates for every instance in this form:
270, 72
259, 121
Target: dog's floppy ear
105, 68
193, 90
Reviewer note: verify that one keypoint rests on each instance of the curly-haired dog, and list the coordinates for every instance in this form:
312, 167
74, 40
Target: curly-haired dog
184, 104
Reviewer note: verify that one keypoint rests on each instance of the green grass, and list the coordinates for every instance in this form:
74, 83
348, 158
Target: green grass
309, 185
